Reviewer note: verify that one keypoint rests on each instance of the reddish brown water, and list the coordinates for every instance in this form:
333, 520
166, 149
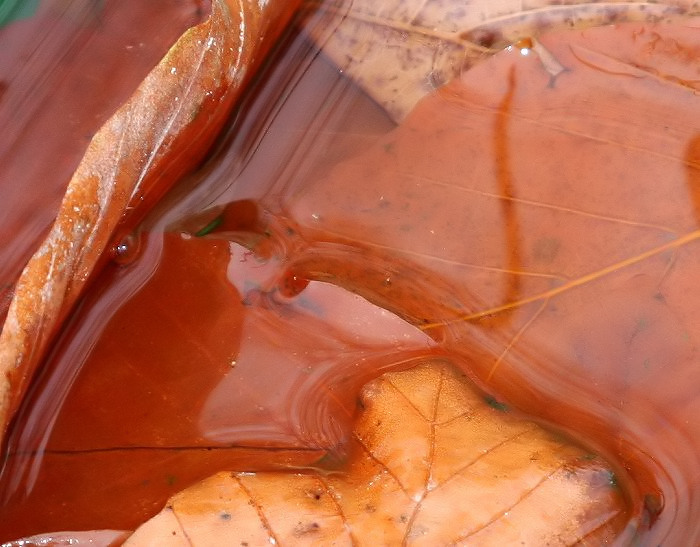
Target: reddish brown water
54, 68
249, 377
224, 334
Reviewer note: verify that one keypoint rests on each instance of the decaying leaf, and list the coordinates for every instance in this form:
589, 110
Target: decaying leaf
160, 133
433, 463
400, 50
547, 228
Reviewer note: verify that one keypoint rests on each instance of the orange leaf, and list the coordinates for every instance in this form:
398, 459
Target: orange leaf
432, 463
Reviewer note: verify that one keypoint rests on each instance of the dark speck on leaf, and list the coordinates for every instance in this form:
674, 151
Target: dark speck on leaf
315, 494
546, 249
302, 529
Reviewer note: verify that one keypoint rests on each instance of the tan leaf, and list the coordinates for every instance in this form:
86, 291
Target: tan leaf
433, 463
160, 133
400, 50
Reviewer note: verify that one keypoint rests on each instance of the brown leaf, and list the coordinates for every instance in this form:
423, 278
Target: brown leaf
546, 228
130, 162
401, 50
432, 463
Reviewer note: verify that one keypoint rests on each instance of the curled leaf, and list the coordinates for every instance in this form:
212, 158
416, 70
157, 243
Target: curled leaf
401, 50
52, 103
159, 134
432, 463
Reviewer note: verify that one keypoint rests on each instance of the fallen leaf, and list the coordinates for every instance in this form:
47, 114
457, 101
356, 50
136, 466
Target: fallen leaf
52, 103
432, 463
401, 50
130, 162
545, 227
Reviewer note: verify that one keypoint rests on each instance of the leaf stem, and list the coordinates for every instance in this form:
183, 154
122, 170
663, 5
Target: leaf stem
676, 243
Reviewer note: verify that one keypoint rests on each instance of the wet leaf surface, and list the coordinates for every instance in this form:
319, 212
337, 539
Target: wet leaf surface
546, 201
401, 50
549, 242
431, 462
104, 538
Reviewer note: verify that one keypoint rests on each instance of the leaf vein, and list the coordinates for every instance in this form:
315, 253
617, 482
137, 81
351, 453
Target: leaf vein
332, 494
442, 260
486, 452
259, 510
182, 527
551, 206
380, 463
521, 499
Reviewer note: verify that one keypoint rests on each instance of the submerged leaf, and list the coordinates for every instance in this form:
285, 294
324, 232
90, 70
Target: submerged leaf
545, 225
431, 463
400, 50
173, 385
